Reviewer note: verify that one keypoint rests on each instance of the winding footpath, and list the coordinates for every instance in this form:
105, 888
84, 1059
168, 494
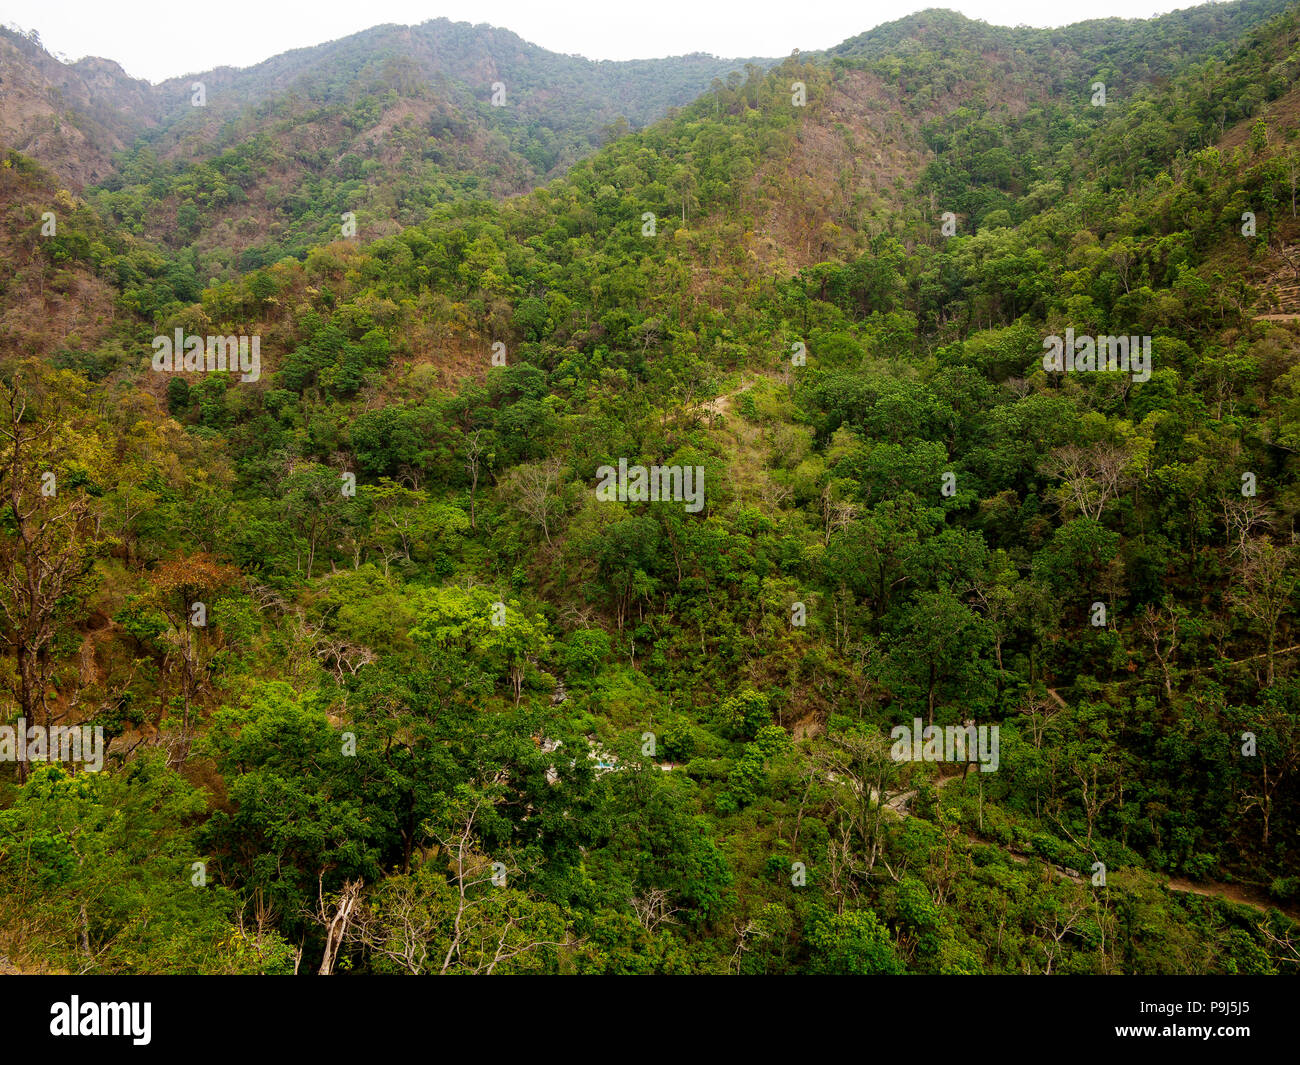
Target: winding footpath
1227, 892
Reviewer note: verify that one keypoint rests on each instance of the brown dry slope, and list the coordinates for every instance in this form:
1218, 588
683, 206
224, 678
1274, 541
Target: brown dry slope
70, 116
44, 305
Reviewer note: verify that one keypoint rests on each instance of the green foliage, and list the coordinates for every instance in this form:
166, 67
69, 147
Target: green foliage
917, 521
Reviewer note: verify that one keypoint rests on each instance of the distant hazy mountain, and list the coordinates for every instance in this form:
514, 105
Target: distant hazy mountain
383, 123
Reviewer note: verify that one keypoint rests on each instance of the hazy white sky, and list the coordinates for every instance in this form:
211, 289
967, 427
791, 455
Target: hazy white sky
157, 39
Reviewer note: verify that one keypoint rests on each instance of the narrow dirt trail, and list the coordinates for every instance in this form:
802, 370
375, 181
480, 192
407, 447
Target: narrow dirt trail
1228, 892
1212, 889
722, 404
899, 802
1233, 893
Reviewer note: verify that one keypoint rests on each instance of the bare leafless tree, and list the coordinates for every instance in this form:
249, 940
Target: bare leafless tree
474, 451
1060, 916
1266, 581
1242, 515
453, 914
1160, 626
530, 489
1278, 757
1091, 476
836, 514
865, 775
336, 922
652, 909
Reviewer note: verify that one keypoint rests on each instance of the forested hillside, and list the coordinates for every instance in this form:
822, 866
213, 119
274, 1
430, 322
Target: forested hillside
234, 169
391, 684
